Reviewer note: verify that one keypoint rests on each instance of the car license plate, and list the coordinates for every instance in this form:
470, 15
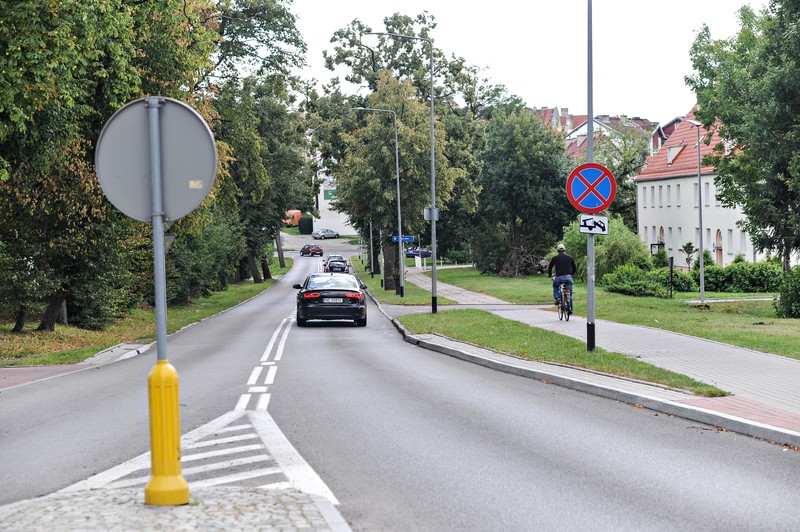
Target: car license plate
332, 300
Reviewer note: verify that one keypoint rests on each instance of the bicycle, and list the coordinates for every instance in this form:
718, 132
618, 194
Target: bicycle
564, 306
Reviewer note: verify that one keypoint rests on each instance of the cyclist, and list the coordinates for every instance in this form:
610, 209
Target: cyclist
565, 268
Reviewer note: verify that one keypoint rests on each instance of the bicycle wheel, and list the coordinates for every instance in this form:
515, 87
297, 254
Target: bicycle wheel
561, 306
565, 303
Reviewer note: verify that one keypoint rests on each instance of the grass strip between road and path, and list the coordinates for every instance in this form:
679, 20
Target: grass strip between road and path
69, 345
414, 295
744, 323
487, 330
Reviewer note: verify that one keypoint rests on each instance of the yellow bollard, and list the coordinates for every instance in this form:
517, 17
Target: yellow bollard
167, 486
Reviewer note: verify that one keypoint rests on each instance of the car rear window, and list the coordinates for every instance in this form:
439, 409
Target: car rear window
320, 283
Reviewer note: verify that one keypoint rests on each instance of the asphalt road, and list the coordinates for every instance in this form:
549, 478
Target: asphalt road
408, 439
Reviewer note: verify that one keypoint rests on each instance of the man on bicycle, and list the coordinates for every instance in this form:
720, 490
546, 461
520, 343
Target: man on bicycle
565, 268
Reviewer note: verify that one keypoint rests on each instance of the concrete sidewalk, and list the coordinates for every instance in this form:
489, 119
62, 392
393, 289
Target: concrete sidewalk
765, 400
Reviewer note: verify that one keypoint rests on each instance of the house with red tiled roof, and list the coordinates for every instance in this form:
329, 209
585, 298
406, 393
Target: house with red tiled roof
610, 127
668, 210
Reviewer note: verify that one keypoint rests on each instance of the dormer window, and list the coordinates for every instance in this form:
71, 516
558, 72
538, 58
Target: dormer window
672, 152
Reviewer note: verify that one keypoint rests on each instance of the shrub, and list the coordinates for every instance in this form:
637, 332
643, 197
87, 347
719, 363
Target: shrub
306, 225
460, 256
633, 281
753, 277
681, 281
788, 305
620, 246
741, 277
660, 259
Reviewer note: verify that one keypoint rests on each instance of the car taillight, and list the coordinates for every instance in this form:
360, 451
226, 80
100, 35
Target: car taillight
311, 295
354, 295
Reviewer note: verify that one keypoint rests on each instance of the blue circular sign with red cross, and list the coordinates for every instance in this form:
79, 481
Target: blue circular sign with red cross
591, 188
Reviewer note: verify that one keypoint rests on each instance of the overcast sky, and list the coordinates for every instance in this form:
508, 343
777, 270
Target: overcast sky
538, 48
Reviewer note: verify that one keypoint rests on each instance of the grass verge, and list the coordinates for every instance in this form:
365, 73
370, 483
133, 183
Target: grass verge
414, 295
68, 345
748, 324
487, 330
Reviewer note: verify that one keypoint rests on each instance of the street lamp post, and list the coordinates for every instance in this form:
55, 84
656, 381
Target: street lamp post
400, 257
700, 213
434, 213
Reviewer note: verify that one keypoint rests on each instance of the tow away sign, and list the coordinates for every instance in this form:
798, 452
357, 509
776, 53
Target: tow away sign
593, 225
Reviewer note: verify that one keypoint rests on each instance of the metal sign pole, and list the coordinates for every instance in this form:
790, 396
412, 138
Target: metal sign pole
157, 220
590, 237
167, 486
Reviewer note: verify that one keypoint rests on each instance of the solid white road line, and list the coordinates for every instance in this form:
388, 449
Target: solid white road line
267, 351
296, 469
254, 375
279, 351
219, 441
263, 402
242, 404
221, 452
236, 477
271, 375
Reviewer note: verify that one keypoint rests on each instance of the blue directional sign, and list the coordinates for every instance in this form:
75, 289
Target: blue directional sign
406, 238
591, 188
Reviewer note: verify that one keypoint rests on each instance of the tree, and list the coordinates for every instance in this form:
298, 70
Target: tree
624, 152
522, 187
746, 88
366, 179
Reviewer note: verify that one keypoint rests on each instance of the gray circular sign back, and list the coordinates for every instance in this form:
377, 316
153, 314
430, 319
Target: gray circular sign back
188, 159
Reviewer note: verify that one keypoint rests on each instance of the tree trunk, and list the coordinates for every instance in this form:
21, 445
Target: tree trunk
62, 314
251, 263
279, 247
265, 268
390, 267
20, 316
50, 316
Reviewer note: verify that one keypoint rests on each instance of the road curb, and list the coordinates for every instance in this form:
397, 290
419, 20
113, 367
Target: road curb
692, 413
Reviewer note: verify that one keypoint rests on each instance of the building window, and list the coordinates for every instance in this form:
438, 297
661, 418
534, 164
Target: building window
677, 195
669, 195
673, 152
669, 236
730, 242
716, 198
660, 196
653, 196
707, 194
742, 243
644, 197
696, 198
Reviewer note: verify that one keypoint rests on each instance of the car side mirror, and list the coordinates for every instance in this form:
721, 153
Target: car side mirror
297, 286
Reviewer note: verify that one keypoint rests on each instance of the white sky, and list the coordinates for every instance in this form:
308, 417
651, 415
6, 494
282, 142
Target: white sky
538, 48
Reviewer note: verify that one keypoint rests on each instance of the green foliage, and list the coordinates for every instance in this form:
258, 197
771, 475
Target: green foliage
490, 247
633, 281
522, 185
746, 88
198, 264
764, 277
620, 246
661, 259
306, 224
788, 305
689, 250
630, 279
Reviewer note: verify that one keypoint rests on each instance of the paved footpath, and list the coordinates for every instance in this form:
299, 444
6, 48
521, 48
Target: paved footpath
765, 400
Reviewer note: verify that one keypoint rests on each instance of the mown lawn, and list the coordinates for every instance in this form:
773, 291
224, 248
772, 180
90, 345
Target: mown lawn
750, 324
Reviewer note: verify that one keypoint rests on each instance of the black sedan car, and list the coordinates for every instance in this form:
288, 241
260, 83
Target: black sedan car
331, 296
336, 266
